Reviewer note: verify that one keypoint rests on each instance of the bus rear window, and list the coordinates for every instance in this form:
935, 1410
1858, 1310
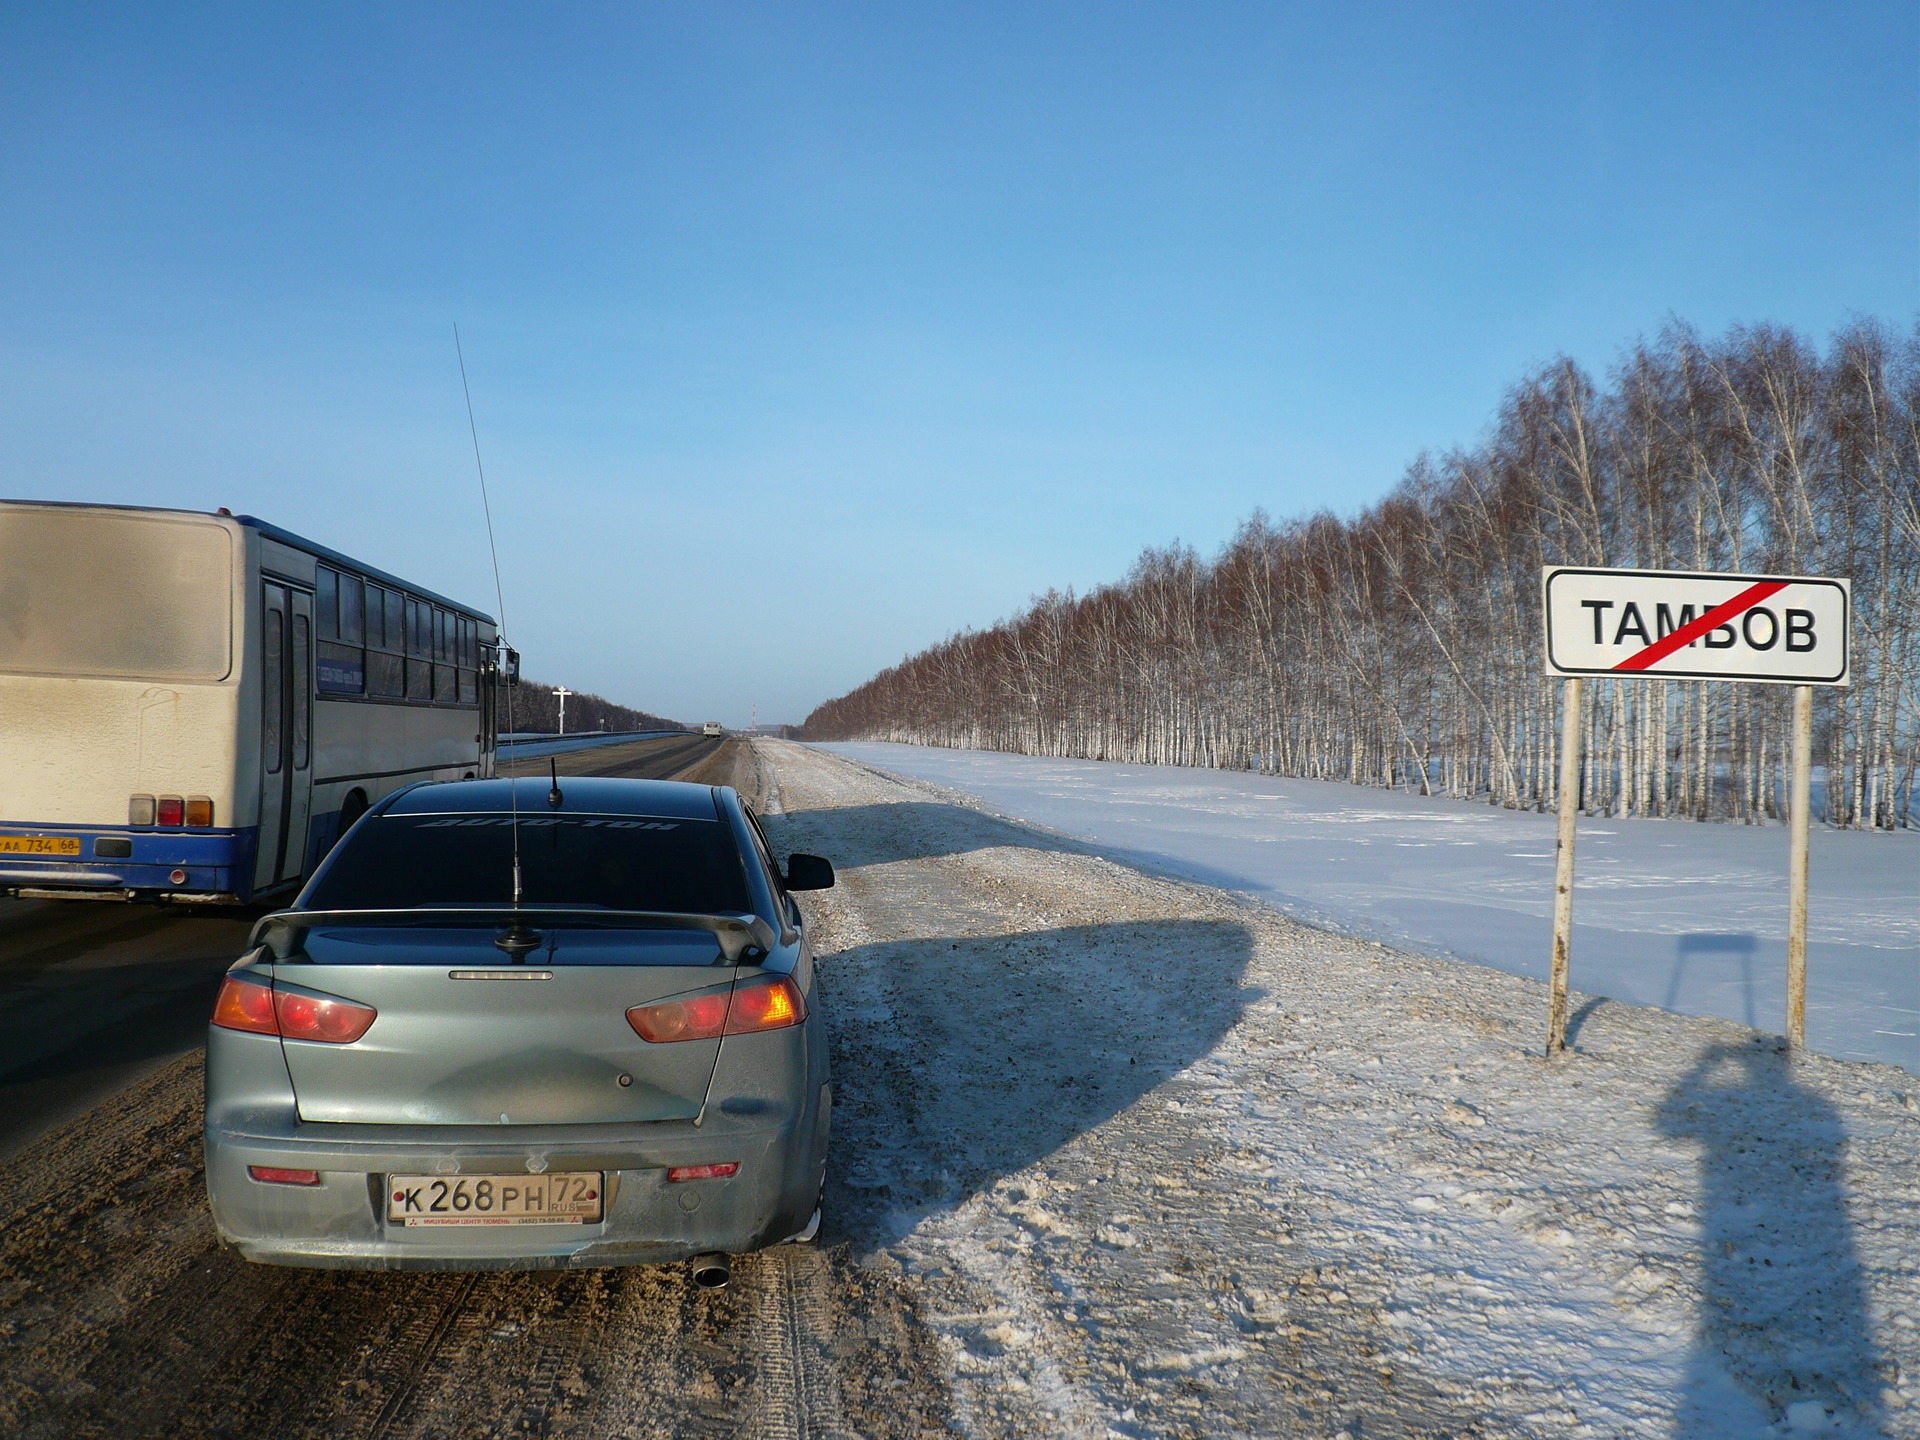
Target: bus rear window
137, 596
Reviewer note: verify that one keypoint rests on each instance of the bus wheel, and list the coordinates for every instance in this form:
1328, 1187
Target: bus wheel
351, 809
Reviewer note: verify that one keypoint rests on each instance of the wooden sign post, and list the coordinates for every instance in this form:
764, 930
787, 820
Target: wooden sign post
1672, 625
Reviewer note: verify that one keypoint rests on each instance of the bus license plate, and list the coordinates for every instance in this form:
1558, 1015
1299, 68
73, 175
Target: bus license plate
569, 1197
37, 845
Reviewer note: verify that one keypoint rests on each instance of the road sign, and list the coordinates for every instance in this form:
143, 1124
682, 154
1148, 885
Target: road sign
1665, 624
1682, 625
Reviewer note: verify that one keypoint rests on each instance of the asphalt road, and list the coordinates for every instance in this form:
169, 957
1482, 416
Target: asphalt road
123, 1316
667, 758
95, 995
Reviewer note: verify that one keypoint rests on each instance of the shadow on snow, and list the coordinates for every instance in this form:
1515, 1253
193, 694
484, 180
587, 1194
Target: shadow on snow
1783, 1316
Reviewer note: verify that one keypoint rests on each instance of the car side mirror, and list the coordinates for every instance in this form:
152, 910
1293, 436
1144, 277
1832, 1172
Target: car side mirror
809, 872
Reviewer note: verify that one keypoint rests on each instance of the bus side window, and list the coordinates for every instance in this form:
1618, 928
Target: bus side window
350, 592
419, 650
467, 656
326, 603
396, 621
386, 671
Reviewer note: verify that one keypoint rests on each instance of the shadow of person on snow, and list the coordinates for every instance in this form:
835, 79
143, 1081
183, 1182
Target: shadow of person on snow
1783, 1325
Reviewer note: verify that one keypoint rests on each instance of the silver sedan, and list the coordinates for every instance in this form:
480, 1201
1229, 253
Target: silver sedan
564, 1026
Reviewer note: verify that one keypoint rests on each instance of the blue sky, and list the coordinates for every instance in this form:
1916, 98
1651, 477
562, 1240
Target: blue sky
800, 336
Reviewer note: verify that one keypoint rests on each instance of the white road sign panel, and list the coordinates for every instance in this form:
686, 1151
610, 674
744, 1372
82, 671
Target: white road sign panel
1660, 624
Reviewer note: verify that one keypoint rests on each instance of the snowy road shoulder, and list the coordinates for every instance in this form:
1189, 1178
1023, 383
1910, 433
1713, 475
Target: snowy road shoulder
1685, 916
1161, 1162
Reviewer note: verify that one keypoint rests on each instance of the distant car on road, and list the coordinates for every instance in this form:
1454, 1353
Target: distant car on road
410, 1070
712, 727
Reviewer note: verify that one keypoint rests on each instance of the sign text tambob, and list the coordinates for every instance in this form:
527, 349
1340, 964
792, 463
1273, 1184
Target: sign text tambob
1661, 624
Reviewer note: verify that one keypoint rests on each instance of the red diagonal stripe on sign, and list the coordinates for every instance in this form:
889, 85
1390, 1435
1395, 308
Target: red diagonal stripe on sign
1694, 629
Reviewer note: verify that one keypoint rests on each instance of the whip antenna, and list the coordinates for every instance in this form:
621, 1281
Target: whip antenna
499, 595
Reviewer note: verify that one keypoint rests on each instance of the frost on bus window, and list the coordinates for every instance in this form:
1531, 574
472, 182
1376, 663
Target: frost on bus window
89, 593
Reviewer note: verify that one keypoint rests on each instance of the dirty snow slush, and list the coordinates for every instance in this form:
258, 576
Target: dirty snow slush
1113, 1156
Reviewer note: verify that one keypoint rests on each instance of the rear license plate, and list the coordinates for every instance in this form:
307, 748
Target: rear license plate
37, 845
569, 1197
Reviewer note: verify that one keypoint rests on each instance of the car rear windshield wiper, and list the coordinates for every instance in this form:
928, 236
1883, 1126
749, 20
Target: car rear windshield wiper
743, 938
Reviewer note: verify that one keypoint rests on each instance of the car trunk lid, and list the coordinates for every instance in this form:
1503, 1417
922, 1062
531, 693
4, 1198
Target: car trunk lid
468, 1035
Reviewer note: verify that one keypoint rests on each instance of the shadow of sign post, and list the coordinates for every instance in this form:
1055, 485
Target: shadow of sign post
1708, 944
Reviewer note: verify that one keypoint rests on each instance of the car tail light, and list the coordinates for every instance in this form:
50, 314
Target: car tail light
770, 1004
691, 1017
721, 1171
247, 1004
277, 1175
140, 810
199, 811
326, 1018
171, 810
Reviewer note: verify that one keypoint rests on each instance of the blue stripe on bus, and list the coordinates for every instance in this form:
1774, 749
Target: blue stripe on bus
216, 861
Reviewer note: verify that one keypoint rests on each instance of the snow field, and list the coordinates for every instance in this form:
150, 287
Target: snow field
1673, 913
1157, 1161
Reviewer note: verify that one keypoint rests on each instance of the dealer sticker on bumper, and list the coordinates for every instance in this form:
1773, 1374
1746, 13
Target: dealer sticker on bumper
570, 1197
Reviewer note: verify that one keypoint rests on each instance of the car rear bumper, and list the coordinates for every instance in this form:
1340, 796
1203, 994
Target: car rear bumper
341, 1222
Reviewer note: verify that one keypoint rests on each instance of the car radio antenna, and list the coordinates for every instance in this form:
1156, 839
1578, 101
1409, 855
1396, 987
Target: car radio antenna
499, 595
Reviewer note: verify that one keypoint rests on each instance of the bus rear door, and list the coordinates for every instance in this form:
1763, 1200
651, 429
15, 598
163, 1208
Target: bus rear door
286, 734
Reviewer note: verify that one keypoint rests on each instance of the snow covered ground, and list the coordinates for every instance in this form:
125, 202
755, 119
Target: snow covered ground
1152, 1160
1684, 916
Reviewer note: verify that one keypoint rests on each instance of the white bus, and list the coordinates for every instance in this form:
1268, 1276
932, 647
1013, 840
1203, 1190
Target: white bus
193, 707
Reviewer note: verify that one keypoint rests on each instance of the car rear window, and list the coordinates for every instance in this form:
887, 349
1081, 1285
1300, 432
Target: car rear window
615, 862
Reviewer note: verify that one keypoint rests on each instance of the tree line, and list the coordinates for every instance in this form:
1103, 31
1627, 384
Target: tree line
536, 708
1402, 647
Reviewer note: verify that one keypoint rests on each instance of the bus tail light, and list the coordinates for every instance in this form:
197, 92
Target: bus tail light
171, 810
140, 810
199, 811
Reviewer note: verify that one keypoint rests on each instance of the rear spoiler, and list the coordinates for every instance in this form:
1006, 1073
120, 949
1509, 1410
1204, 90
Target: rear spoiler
739, 935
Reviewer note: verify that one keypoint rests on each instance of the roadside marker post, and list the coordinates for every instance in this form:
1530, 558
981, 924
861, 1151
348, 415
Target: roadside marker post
1563, 864
1685, 625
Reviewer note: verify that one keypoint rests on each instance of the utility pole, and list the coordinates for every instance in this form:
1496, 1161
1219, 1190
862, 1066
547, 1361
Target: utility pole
563, 692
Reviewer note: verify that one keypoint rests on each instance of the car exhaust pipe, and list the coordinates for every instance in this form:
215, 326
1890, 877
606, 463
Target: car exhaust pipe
711, 1272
